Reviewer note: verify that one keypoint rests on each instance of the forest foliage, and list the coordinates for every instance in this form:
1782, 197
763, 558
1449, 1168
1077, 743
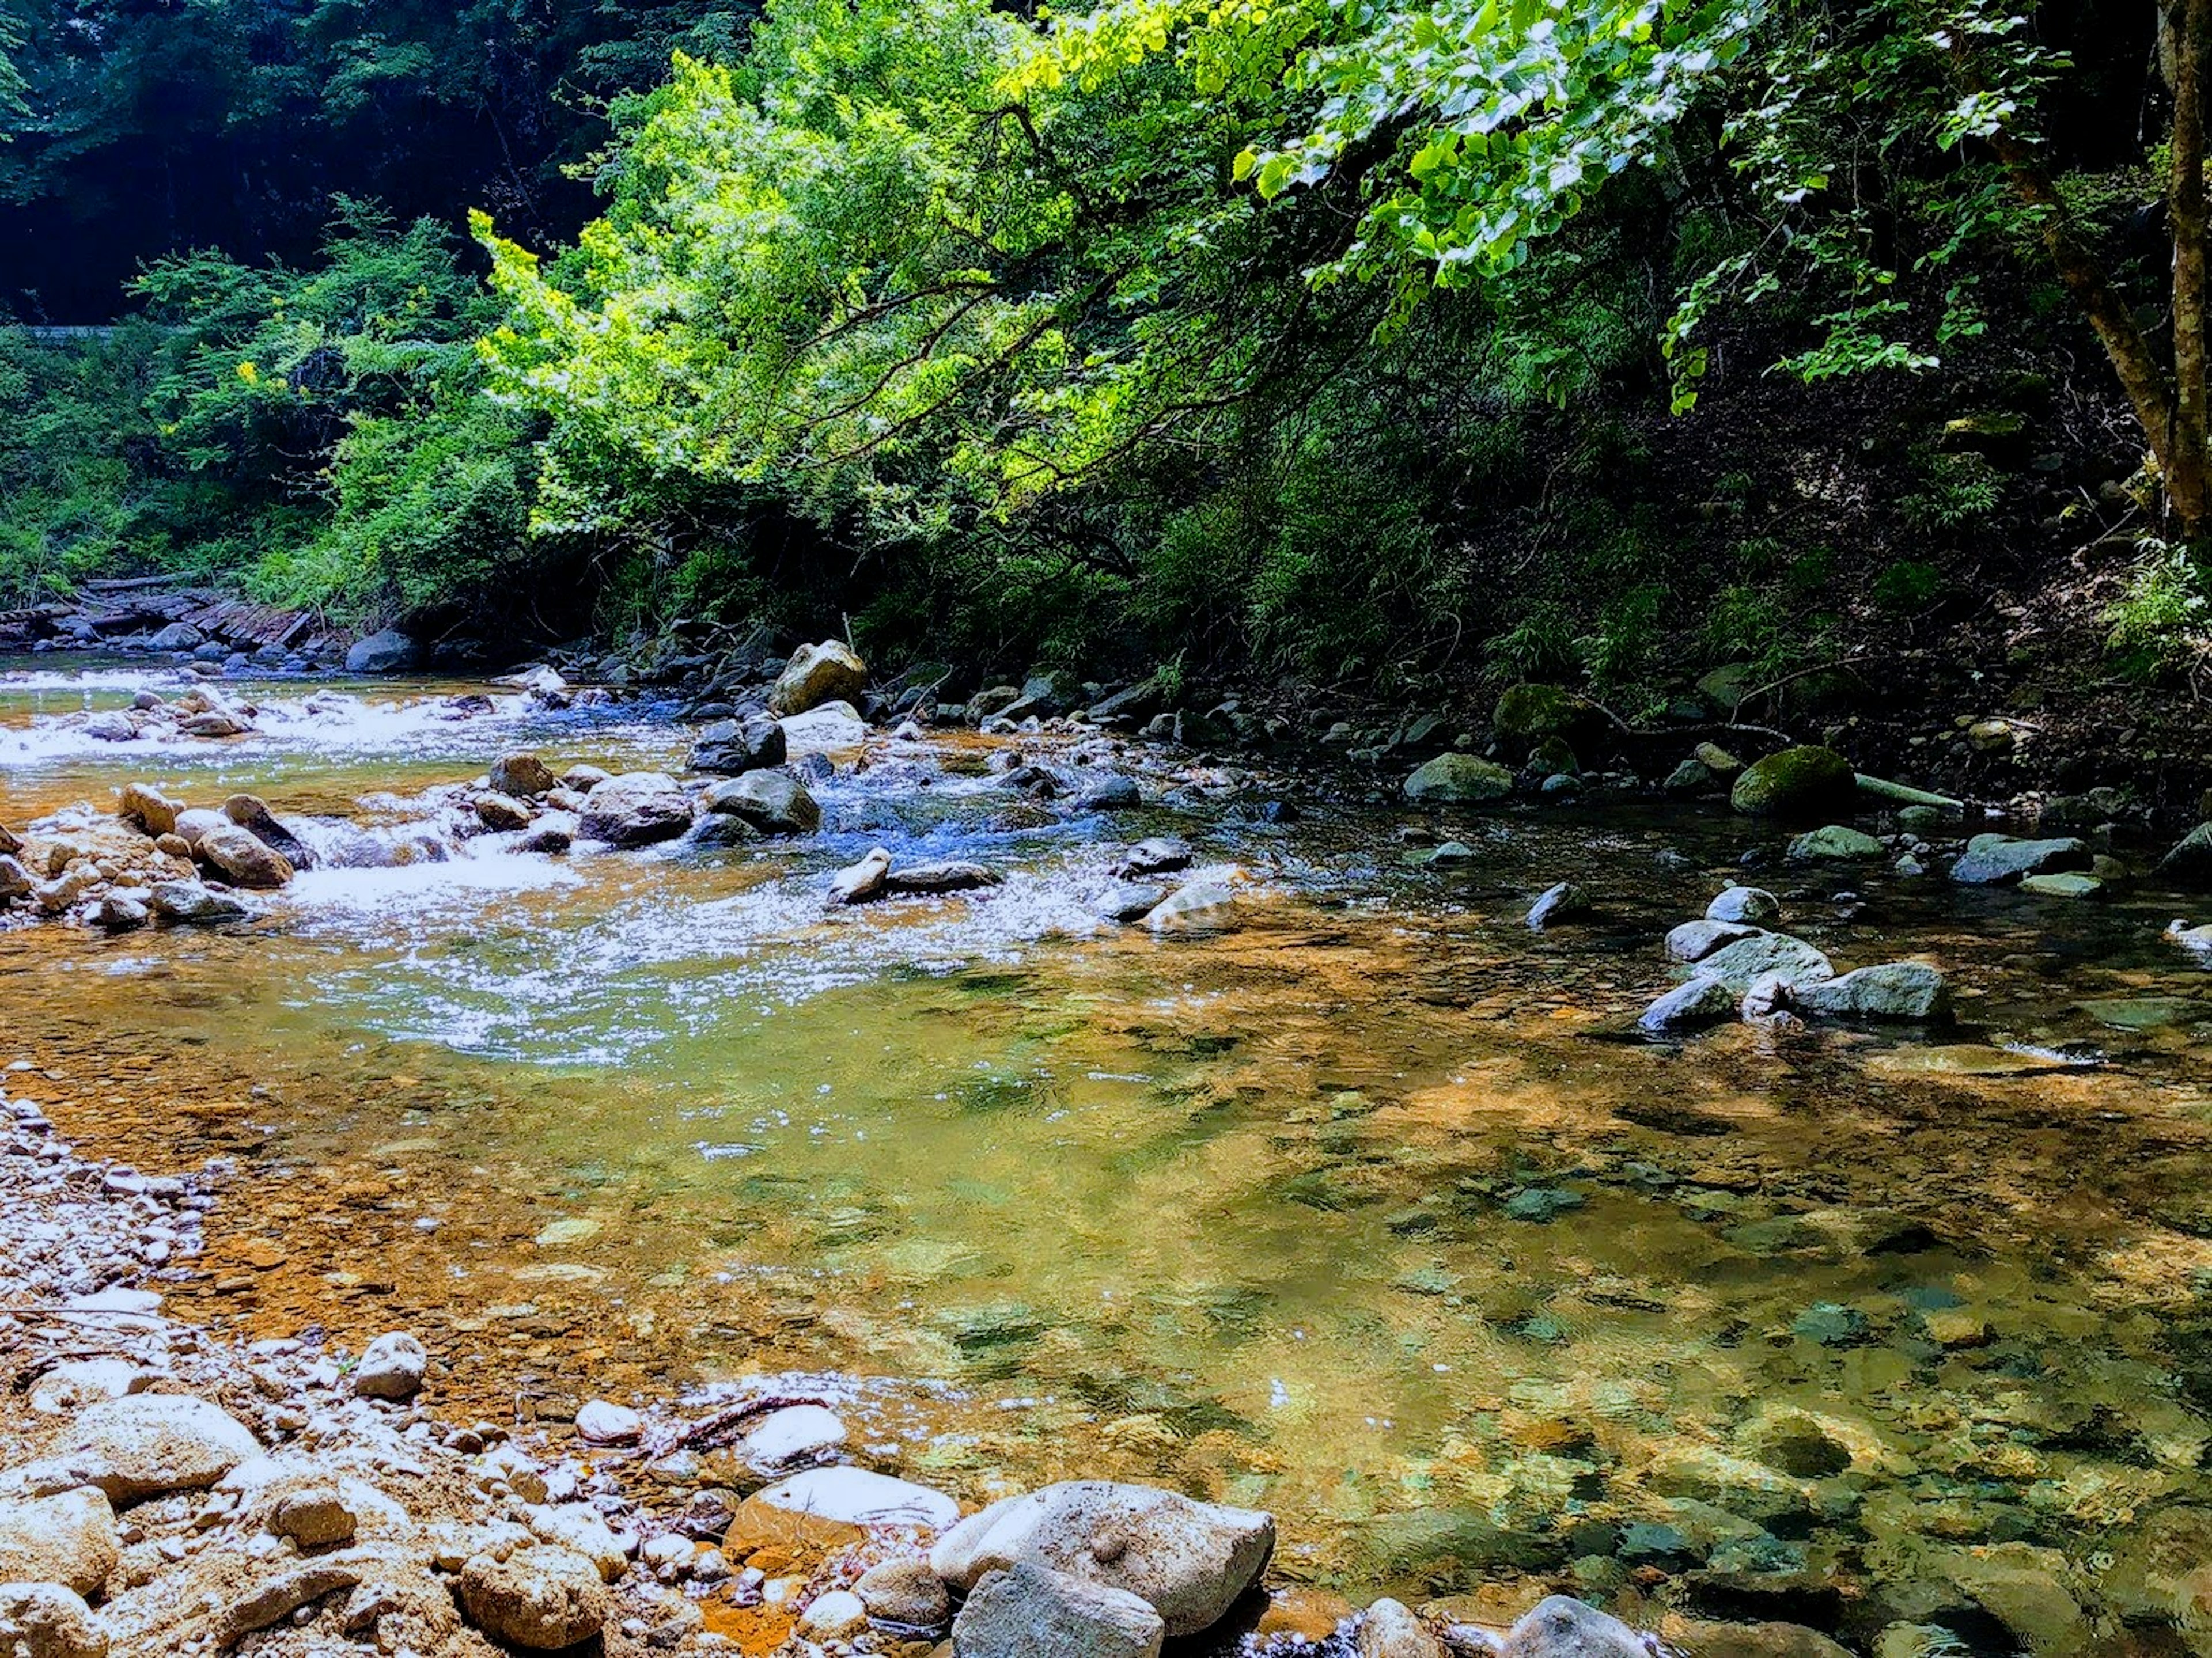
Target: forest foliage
1323, 333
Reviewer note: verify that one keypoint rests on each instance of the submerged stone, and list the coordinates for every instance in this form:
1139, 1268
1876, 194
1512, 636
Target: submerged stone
1837, 842
1997, 859
1459, 779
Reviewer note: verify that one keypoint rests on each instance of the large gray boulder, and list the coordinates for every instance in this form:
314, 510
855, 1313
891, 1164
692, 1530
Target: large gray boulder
1737, 964
1029, 1611
2000, 860
826, 728
69, 1539
773, 802
2190, 862
389, 651
1893, 990
151, 1444
1744, 907
1459, 779
1703, 1001
636, 809
740, 744
828, 672
1693, 941
189, 903
242, 857
1190, 1561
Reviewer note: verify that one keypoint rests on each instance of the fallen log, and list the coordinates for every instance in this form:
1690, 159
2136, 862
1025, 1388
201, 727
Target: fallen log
1904, 794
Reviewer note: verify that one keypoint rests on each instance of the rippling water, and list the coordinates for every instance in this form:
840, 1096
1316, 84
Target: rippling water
1359, 1208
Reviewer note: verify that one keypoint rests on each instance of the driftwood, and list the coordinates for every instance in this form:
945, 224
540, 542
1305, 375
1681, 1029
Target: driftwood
710, 1429
1882, 789
131, 583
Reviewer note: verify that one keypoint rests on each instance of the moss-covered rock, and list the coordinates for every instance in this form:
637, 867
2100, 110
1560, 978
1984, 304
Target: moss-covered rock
1528, 715
1808, 781
1457, 779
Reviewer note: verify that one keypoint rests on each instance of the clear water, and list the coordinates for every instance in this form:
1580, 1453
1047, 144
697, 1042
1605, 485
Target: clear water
1358, 1209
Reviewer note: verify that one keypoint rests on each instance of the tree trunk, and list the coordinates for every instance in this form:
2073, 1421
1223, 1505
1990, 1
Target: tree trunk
2188, 23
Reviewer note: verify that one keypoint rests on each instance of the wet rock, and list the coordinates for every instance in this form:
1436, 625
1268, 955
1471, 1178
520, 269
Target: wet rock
1693, 941
1692, 776
817, 674
1743, 906
1563, 902
1529, 715
1114, 793
502, 813
243, 857
524, 776
111, 728
636, 809
143, 805
389, 651
1162, 855
604, 1423
1703, 1001
552, 834
2070, 884
122, 910
743, 743
177, 637
393, 1368
1893, 990
773, 802
862, 882
1563, 1627
1190, 1561
1800, 782
1459, 779
1029, 1611
16, 881
1737, 964
194, 822
45, 1620
1389, 1629
836, 1616
905, 1593
797, 1437
1838, 842
950, 875
1999, 860
215, 722
1132, 901
151, 1444
188, 903
824, 730
582, 780
1204, 902
314, 1516
542, 1598
68, 1539
834, 1506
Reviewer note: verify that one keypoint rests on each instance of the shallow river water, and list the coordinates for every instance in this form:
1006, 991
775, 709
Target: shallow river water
1362, 1209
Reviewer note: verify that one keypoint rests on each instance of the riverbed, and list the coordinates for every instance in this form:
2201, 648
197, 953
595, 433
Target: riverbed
1365, 1207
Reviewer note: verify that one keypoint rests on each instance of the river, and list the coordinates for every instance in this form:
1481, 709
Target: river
1363, 1208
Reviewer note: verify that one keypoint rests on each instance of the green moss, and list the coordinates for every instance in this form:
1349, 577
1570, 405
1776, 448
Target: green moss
1529, 713
1458, 778
1801, 782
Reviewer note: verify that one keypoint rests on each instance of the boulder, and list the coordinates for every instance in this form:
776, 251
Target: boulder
1528, 715
2002, 860
636, 809
824, 730
1693, 941
393, 1368
189, 903
797, 1437
2068, 885
837, 1615
2190, 862
1703, 1001
817, 674
950, 875
177, 637
502, 813
1459, 779
582, 780
1743, 906
243, 857
831, 1507
250, 813
122, 909
580, 1527
541, 1599
314, 1516
1162, 855
1561, 1626
16, 881
1190, 1561
773, 802
389, 651
1113, 792
1893, 990
1800, 782
45, 1620
601, 1422
68, 1539
151, 1444
215, 722
1838, 842
194, 822
740, 744
524, 776
862, 882
1389, 1629
552, 834
1737, 964
149, 808
1564, 903
904, 1592
1029, 1611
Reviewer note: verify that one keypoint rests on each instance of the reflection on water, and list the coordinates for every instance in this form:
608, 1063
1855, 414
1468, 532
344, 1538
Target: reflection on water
1357, 1209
